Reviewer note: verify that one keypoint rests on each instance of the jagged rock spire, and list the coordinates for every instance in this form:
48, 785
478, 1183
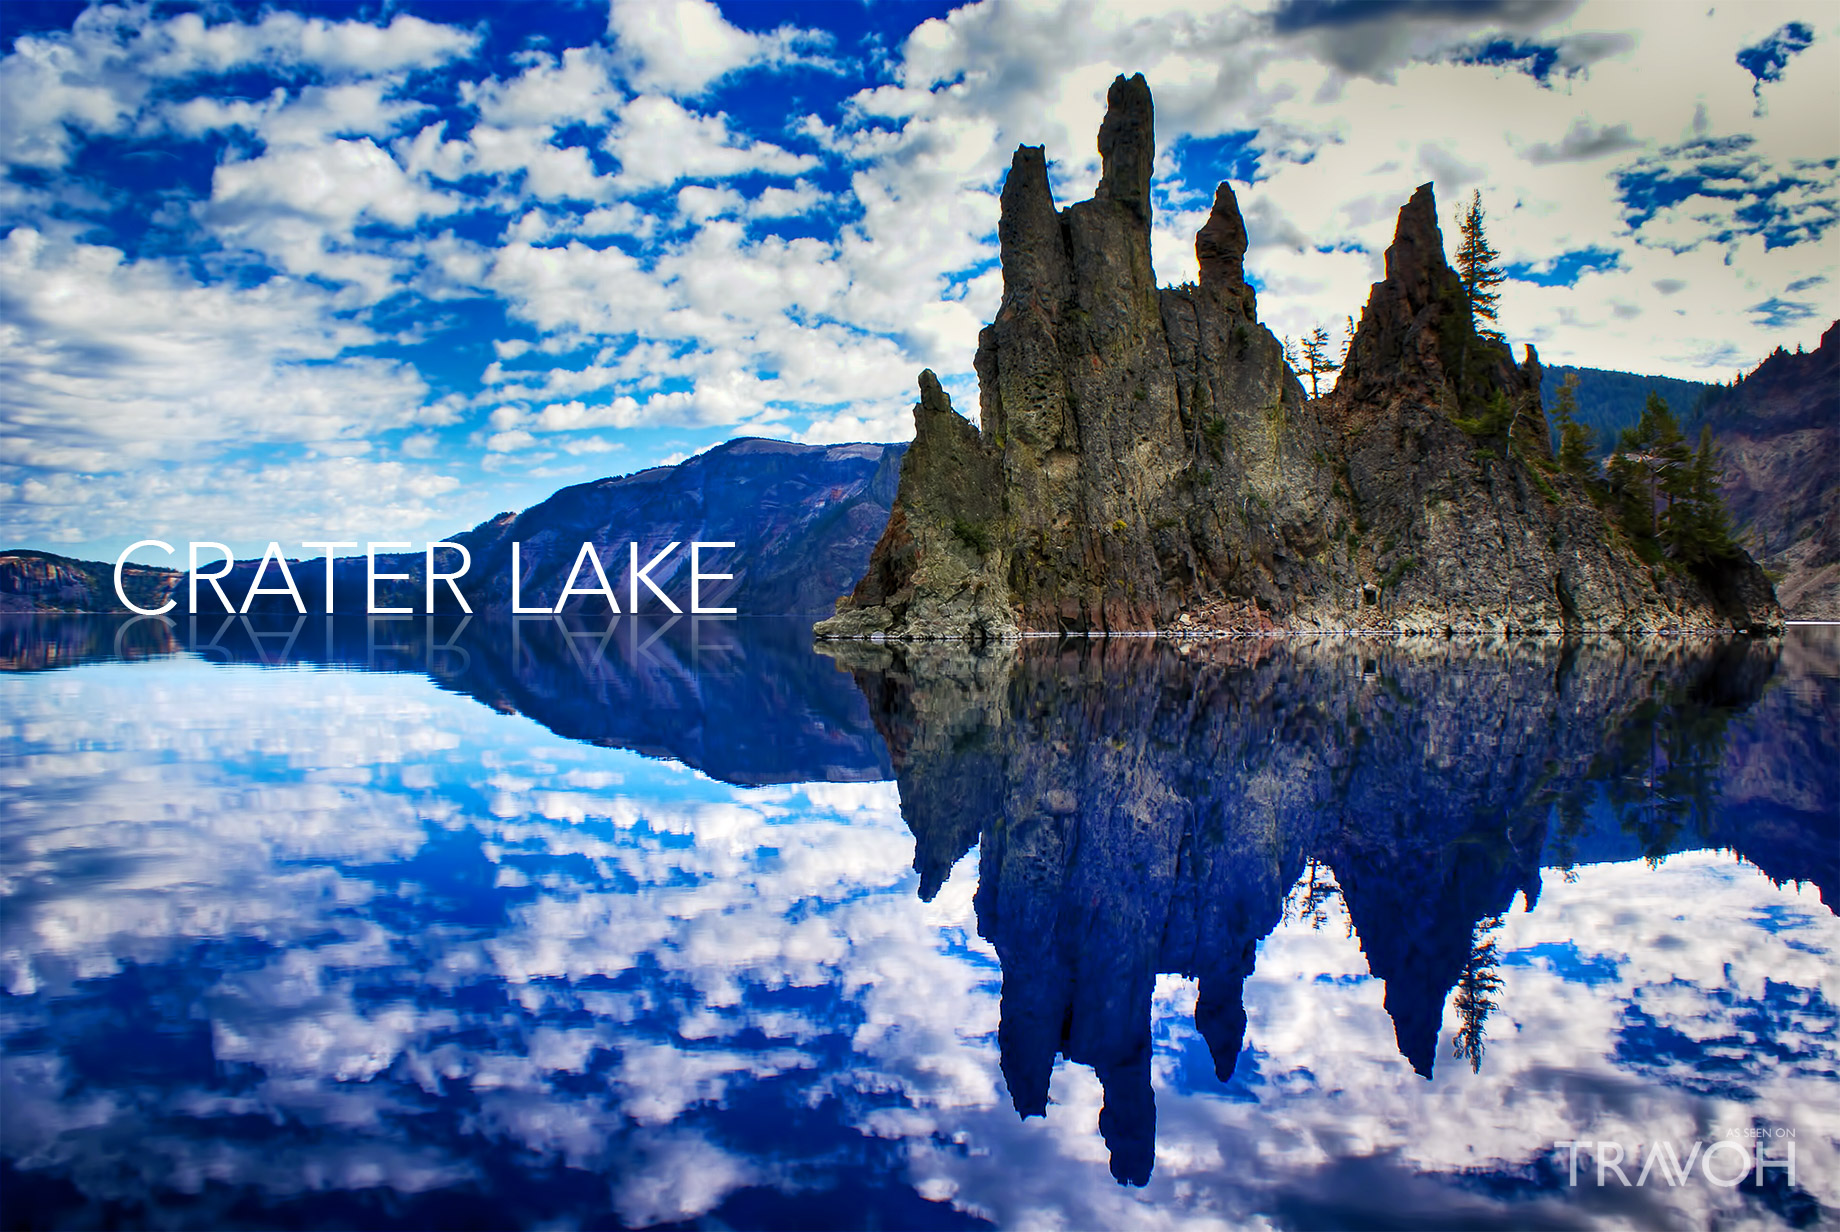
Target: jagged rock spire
1416, 311
1127, 145
1220, 250
1418, 243
1029, 232
933, 397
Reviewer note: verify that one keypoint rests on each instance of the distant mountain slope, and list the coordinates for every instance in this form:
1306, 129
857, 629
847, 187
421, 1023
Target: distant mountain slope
1780, 430
32, 581
1609, 401
803, 519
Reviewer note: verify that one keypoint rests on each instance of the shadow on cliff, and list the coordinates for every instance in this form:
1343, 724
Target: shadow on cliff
1142, 806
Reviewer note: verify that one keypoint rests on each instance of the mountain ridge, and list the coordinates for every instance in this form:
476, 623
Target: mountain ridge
803, 517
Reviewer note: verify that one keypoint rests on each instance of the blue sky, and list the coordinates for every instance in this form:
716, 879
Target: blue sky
378, 271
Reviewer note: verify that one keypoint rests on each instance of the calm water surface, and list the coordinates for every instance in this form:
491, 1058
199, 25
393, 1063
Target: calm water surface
372, 926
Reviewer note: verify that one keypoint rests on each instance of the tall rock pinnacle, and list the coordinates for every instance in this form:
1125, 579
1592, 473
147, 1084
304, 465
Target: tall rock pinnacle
1415, 313
1127, 145
1029, 233
1220, 251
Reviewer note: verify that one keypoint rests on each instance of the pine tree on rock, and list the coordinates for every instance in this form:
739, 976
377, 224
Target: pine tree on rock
1666, 494
1316, 361
1574, 437
1478, 266
1671, 471
1710, 534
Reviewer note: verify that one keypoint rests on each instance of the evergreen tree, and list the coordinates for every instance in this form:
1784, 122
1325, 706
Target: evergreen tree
1476, 991
1316, 361
1574, 437
1628, 481
1348, 341
1710, 535
1670, 471
1478, 266
1312, 901
1665, 493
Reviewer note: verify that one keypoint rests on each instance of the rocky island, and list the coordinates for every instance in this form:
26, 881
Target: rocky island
1146, 460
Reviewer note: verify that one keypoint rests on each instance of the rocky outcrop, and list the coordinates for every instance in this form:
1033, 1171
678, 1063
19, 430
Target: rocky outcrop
1444, 458
933, 557
1146, 460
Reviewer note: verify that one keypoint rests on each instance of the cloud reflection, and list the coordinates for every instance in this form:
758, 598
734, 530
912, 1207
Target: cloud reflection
272, 936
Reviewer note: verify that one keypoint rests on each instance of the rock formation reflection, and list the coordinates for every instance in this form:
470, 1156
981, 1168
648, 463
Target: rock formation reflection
1145, 807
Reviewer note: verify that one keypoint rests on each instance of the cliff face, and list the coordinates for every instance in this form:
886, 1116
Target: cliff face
1147, 460
1779, 429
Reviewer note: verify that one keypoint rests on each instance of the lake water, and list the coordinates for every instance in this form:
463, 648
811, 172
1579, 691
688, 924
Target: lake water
402, 925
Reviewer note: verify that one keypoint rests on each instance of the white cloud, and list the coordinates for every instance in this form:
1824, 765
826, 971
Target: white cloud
122, 382
187, 44
49, 86
510, 441
659, 142
109, 362
96, 77
349, 109
683, 46
574, 88
777, 202
334, 184
578, 288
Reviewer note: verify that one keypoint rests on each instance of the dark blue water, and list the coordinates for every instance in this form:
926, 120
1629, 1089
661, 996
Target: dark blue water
409, 926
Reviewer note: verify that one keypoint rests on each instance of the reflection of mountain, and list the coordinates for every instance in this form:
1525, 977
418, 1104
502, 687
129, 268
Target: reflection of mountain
750, 707
744, 701
1145, 807
32, 643
1779, 803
